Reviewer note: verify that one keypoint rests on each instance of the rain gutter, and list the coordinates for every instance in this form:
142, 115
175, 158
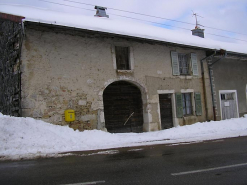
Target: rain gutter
204, 87
211, 83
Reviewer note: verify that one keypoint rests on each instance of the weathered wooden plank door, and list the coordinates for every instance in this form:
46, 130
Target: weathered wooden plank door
123, 108
165, 111
228, 106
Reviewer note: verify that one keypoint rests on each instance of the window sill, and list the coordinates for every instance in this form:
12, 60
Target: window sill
125, 71
185, 76
188, 120
188, 115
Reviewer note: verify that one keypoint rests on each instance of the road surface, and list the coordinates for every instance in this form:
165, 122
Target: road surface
212, 162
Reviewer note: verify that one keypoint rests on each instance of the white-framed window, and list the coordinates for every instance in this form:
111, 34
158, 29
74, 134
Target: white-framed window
227, 96
187, 104
184, 64
123, 58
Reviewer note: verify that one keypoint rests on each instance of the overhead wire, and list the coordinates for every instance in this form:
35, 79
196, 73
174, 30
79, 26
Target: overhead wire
132, 12
116, 15
66, 5
154, 17
135, 18
226, 37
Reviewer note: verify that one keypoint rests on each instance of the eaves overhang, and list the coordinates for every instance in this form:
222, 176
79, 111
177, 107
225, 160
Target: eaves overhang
79, 31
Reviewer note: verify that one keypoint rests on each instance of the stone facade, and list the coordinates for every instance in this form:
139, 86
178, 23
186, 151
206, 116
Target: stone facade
65, 68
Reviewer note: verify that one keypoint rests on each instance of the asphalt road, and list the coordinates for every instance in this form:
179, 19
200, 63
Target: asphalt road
213, 162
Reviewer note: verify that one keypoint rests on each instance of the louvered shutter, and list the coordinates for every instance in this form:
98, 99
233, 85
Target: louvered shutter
179, 105
175, 63
194, 64
198, 103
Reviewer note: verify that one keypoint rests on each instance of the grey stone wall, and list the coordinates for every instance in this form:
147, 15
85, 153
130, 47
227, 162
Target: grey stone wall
230, 74
62, 70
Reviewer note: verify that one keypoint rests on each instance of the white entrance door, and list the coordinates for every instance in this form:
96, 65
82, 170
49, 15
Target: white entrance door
228, 102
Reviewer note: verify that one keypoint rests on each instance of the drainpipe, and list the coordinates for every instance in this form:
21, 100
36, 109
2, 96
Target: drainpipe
203, 81
211, 83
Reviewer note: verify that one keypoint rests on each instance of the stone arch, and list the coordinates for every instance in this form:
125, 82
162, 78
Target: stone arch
139, 92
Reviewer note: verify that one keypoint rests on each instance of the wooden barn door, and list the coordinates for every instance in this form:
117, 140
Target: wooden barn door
123, 108
165, 111
228, 106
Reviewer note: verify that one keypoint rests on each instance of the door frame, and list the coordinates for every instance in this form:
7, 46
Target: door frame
133, 93
246, 93
174, 119
234, 96
147, 117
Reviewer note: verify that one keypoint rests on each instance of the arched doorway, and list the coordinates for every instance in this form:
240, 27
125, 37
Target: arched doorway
123, 108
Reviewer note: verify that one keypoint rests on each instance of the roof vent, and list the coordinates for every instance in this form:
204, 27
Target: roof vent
100, 11
198, 32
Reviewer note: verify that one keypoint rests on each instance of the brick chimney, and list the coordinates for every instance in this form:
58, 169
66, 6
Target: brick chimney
100, 11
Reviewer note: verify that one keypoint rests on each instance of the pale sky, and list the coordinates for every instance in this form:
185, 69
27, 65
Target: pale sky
228, 15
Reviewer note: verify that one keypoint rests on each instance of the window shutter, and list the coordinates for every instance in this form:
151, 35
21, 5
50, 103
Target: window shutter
194, 64
179, 105
175, 63
198, 103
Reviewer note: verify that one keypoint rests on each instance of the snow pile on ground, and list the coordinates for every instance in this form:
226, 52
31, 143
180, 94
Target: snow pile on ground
30, 138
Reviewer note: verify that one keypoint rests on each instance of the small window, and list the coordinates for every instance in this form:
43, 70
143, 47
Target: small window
183, 64
122, 58
227, 96
187, 104
223, 96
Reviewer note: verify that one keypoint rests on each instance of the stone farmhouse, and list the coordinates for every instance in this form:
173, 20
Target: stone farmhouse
118, 76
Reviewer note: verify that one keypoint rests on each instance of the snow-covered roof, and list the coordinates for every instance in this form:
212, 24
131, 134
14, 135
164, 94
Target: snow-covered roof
120, 27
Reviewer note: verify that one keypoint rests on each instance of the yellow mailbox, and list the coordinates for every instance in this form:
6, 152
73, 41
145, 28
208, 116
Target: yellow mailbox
69, 115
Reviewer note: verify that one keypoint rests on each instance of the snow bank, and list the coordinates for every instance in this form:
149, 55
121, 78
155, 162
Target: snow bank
30, 138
